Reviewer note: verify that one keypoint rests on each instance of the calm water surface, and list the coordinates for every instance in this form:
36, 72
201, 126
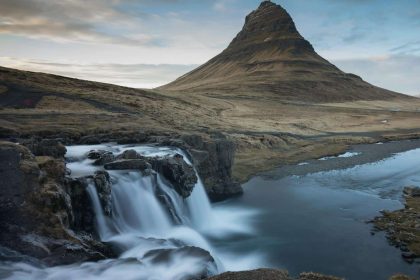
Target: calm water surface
317, 222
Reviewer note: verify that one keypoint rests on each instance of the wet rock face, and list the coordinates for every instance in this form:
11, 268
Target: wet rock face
103, 187
164, 256
175, 170
83, 214
214, 160
181, 175
101, 157
130, 154
39, 207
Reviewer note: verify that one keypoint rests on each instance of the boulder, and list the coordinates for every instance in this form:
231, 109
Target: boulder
130, 154
204, 262
135, 164
101, 157
181, 175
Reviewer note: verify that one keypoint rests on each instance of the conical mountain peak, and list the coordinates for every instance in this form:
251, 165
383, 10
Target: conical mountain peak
269, 24
269, 58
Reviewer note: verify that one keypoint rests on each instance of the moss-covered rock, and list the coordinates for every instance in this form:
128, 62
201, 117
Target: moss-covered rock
402, 227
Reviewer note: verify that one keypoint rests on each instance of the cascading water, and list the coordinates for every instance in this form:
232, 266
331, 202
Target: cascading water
159, 234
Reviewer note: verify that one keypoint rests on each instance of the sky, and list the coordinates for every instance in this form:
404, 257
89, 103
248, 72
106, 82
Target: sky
147, 43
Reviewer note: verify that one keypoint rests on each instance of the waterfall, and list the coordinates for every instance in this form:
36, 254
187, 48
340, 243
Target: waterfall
148, 215
157, 233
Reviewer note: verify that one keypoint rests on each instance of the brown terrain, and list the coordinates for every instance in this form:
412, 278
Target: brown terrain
269, 92
267, 100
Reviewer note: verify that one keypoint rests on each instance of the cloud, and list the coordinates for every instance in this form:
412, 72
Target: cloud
131, 75
394, 72
407, 49
222, 5
70, 20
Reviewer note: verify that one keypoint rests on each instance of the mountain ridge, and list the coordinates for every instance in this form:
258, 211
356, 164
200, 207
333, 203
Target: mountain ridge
270, 56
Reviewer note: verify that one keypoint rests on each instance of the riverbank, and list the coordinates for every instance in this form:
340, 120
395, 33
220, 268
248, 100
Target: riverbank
402, 226
313, 215
49, 157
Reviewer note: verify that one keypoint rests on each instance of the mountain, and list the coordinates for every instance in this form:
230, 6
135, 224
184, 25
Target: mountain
268, 92
270, 57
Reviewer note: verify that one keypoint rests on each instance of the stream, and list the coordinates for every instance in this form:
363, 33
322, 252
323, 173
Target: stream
311, 218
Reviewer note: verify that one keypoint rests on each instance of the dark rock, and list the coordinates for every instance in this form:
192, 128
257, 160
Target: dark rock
270, 274
164, 256
316, 276
130, 154
38, 213
46, 147
134, 164
94, 154
402, 226
83, 214
54, 252
101, 157
174, 169
263, 274
19, 175
52, 168
103, 188
214, 160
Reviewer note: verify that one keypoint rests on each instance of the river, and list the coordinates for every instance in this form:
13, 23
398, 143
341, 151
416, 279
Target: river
307, 217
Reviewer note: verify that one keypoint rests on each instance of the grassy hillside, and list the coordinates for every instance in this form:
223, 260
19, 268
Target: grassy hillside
268, 131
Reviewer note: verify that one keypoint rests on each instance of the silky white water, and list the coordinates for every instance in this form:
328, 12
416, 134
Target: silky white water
153, 242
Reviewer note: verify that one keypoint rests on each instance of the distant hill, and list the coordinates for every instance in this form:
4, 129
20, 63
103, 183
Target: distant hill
269, 56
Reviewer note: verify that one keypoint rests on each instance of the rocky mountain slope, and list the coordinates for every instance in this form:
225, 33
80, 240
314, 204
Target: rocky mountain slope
274, 109
270, 57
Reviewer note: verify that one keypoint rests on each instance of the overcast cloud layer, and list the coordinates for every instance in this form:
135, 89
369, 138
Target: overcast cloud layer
145, 43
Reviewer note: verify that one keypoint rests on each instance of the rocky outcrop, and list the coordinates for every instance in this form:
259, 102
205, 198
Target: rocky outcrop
165, 256
103, 188
402, 227
83, 214
213, 158
270, 274
212, 154
19, 174
175, 170
45, 147
180, 174
130, 154
101, 157
37, 211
